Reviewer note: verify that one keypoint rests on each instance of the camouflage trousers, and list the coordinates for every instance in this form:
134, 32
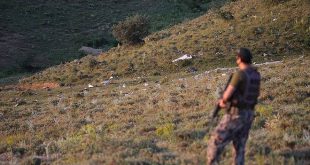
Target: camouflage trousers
234, 127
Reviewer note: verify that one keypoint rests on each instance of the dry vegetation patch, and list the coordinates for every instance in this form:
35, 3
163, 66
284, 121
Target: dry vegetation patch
153, 122
134, 106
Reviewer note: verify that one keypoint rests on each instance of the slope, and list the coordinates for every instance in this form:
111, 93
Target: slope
153, 122
37, 34
264, 27
139, 118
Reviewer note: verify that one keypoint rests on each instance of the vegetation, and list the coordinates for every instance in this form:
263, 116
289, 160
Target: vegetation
154, 120
132, 30
133, 105
210, 39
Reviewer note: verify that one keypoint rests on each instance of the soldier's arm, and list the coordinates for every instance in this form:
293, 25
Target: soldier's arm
227, 94
230, 89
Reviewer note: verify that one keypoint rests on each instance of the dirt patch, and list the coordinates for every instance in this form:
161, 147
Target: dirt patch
35, 86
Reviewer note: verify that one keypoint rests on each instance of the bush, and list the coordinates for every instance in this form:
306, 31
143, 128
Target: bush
132, 30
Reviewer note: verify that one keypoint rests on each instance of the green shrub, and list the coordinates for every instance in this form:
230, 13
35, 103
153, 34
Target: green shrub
132, 30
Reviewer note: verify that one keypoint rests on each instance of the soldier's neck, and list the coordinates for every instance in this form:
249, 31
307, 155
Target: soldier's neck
243, 66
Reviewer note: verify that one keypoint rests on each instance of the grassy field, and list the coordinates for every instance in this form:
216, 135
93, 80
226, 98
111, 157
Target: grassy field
153, 121
132, 105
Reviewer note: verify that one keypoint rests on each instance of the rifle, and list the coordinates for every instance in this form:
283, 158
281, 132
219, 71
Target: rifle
217, 107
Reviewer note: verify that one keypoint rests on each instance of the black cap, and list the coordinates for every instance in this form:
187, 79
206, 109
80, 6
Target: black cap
245, 55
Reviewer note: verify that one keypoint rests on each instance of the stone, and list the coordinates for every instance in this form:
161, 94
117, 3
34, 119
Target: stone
89, 50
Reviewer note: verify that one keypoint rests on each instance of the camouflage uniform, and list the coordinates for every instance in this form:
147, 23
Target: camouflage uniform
234, 126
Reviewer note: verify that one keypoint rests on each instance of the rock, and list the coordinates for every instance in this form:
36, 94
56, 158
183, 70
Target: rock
89, 50
184, 57
20, 102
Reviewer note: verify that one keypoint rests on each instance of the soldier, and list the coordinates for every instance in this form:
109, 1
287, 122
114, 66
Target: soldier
243, 91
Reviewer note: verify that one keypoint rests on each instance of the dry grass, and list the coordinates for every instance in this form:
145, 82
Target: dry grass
148, 121
151, 112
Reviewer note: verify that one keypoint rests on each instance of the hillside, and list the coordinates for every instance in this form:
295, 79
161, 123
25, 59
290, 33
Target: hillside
133, 105
153, 122
37, 34
266, 28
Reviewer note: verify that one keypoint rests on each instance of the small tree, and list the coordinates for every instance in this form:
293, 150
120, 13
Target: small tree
132, 30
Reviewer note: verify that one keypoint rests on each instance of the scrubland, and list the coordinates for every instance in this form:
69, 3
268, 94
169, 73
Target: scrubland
132, 105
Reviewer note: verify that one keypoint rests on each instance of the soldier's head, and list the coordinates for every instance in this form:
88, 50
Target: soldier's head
244, 55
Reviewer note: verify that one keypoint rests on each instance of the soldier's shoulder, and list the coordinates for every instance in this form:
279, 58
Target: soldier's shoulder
238, 73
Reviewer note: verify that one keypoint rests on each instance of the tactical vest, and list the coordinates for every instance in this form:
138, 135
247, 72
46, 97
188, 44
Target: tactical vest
252, 87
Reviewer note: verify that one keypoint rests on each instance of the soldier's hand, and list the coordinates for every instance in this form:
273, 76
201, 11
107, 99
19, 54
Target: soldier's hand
222, 104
